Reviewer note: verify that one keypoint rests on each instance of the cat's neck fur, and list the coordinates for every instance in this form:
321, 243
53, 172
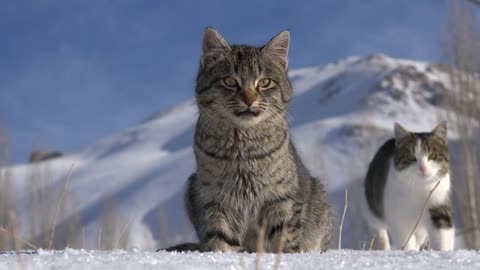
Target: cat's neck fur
222, 125
223, 139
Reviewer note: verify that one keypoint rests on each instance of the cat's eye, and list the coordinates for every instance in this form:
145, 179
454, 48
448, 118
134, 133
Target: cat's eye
412, 159
264, 83
230, 82
432, 156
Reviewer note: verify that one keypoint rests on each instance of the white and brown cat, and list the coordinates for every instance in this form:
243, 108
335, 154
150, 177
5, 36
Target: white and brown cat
399, 179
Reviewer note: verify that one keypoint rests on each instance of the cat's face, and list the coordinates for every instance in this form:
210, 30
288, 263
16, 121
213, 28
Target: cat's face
422, 154
244, 85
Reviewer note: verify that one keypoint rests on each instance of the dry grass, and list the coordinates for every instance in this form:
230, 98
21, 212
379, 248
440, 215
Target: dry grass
113, 233
260, 245
340, 230
163, 226
99, 237
57, 208
18, 238
461, 48
18, 244
52, 221
40, 203
113, 230
83, 238
44, 213
372, 242
260, 249
7, 199
281, 245
123, 235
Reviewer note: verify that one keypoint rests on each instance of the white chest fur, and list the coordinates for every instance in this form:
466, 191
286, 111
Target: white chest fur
404, 197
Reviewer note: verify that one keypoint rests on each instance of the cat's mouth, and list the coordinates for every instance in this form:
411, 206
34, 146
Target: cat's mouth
248, 113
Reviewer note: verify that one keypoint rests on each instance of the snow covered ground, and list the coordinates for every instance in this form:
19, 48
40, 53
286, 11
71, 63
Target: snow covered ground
345, 259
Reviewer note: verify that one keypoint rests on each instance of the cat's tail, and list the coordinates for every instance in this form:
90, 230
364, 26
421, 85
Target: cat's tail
183, 247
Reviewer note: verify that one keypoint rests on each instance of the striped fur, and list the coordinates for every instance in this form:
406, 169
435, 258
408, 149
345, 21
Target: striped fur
248, 173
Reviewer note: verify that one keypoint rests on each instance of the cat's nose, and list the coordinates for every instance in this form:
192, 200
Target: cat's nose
423, 169
249, 97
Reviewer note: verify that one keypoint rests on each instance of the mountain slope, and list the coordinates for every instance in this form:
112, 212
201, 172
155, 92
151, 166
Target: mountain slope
339, 116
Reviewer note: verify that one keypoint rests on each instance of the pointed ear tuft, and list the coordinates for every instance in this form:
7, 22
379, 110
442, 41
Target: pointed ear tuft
214, 48
213, 41
278, 46
441, 130
400, 132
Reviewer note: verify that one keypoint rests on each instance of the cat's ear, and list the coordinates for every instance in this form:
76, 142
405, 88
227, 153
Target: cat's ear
214, 47
441, 130
278, 46
400, 132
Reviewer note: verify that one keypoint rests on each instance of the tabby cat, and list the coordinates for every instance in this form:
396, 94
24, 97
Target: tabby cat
249, 175
399, 179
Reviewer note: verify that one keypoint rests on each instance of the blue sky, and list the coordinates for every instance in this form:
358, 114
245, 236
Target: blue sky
72, 72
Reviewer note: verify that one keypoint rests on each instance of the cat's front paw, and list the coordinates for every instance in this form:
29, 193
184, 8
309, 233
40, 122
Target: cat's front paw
222, 246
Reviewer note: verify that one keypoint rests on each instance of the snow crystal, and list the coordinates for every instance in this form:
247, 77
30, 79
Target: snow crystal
343, 259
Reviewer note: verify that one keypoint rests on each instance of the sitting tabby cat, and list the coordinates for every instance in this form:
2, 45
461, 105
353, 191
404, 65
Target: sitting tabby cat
248, 173
399, 178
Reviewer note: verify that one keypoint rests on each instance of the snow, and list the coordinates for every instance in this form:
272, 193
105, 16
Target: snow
340, 114
345, 259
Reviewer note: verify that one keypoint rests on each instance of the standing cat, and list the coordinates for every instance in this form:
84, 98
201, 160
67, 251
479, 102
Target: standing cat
399, 178
248, 173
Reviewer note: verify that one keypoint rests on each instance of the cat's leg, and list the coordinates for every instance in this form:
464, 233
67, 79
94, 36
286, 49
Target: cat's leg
442, 239
380, 239
215, 225
379, 233
421, 237
219, 232
378, 229
413, 244
281, 220
298, 223
441, 232
399, 235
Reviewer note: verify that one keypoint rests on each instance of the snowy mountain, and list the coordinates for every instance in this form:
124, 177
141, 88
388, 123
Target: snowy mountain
340, 114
